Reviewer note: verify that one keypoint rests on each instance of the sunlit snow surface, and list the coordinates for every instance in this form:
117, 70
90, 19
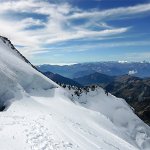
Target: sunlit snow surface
45, 117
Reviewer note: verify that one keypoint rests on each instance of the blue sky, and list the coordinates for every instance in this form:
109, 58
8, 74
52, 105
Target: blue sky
73, 31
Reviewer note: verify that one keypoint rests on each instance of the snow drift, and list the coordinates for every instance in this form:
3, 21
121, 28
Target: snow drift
42, 116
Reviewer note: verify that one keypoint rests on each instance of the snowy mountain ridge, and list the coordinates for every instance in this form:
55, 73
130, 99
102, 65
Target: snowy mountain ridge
7, 42
16, 74
43, 116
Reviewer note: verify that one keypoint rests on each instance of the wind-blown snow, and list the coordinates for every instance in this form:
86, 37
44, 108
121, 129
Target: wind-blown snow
42, 116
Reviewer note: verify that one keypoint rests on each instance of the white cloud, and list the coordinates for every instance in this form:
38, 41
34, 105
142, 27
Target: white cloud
140, 56
113, 13
28, 22
132, 72
58, 27
100, 46
63, 36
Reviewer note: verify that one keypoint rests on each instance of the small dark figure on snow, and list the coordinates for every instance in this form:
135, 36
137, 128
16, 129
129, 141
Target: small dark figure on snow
106, 92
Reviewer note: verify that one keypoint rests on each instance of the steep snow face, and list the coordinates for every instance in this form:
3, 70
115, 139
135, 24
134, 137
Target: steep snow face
43, 117
17, 76
122, 120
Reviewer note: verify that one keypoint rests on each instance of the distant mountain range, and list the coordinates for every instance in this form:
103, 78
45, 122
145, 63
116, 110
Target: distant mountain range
61, 80
139, 69
95, 78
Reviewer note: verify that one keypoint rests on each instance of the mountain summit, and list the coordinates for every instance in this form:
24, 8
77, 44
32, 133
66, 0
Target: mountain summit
40, 115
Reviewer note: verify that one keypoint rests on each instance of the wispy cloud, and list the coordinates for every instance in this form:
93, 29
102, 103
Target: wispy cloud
112, 13
137, 56
32, 32
99, 46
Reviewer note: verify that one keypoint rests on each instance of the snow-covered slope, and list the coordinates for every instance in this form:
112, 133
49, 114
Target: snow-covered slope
17, 76
122, 121
42, 115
